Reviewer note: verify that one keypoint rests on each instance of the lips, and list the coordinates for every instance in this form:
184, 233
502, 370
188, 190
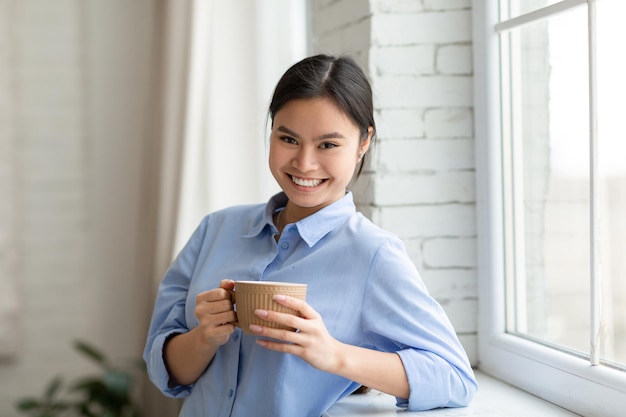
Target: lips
302, 182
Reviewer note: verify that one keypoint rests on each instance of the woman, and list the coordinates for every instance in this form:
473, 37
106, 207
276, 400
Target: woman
368, 319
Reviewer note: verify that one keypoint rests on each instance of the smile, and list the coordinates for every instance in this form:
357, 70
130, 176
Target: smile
306, 183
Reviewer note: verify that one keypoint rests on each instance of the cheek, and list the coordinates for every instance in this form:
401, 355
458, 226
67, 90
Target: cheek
271, 161
272, 151
274, 160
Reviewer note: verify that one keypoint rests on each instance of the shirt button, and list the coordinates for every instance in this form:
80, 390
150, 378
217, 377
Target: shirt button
230, 393
236, 336
284, 245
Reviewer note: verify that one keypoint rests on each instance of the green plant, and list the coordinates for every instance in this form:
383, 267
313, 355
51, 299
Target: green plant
105, 395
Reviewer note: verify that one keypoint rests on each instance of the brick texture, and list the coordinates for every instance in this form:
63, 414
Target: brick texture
420, 183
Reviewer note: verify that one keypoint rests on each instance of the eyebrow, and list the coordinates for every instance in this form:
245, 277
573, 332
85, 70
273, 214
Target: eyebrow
331, 135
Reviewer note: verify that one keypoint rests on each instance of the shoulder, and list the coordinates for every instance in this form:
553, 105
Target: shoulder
236, 214
239, 210
369, 240
365, 230
235, 220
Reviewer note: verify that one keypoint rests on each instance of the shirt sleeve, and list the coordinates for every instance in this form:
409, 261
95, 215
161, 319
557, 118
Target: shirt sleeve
168, 316
400, 316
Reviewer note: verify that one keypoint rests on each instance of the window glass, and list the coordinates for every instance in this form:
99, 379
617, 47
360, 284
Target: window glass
519, 7
548, 181
612, 165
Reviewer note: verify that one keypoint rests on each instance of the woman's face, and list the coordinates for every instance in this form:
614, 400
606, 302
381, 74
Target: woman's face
314, 151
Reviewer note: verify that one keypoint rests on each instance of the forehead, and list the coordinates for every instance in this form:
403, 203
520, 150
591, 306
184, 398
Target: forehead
314, 115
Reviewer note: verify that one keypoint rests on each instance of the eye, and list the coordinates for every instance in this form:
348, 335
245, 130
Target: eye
288, 139
328, 145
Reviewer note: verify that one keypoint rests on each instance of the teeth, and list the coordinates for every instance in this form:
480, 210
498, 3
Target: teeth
306, 183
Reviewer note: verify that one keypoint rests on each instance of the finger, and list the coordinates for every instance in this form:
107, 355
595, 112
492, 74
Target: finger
285, 319
278, 336
215, 319
293, 349
211, 320
213, 295
220, 330
219, 335
227, 284
301, 306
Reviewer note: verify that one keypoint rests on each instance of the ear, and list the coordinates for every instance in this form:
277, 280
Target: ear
365, 144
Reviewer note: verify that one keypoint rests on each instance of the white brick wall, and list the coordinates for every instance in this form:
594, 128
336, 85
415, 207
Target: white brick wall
454, 59
424, 92
420, 184
426, 155
404, 60
422, 27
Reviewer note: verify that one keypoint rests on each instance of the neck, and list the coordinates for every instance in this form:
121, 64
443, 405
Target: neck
293, 214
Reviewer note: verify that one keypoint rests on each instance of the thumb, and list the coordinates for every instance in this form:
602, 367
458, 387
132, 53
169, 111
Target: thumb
227, 284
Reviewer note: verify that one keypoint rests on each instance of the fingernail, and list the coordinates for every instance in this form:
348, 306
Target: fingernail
279, 297
256, 328
261, 313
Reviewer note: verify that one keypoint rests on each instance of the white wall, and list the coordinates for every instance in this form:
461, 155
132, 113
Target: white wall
421, 183
9, 303
78, 99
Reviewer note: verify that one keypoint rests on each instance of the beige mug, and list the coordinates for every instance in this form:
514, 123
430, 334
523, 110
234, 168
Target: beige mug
249, 296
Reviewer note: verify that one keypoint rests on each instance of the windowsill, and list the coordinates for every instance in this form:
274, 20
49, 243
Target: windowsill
493, 399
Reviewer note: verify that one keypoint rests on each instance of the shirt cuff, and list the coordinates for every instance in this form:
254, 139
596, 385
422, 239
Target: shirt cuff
158, 372
433, 382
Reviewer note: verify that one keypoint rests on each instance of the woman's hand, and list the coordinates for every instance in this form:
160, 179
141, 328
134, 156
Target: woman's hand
383, 371
187, 355
214, 310
311, 342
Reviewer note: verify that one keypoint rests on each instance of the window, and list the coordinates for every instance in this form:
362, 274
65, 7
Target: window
551, 169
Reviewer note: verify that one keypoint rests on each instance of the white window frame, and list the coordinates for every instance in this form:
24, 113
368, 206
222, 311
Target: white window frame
566, 380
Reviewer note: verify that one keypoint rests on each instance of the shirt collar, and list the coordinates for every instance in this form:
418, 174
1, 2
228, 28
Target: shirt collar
311, 228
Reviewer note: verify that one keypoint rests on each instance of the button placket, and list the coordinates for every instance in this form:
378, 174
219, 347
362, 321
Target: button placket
288, 237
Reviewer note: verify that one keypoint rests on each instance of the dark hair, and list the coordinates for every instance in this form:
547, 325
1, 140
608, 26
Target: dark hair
337, 78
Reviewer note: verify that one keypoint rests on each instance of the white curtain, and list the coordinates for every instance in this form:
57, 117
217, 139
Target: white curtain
238, 51
222, 60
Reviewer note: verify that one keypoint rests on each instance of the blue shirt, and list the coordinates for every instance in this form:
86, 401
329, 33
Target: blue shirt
360, 279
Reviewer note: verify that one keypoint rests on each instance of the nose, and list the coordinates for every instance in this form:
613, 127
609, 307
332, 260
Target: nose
305, 159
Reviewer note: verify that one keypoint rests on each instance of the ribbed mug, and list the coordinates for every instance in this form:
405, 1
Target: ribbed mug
249, 296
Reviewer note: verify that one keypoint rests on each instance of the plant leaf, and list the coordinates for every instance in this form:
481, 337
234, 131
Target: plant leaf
53, 387
28, 404
89, 385
91, 352
118, 382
